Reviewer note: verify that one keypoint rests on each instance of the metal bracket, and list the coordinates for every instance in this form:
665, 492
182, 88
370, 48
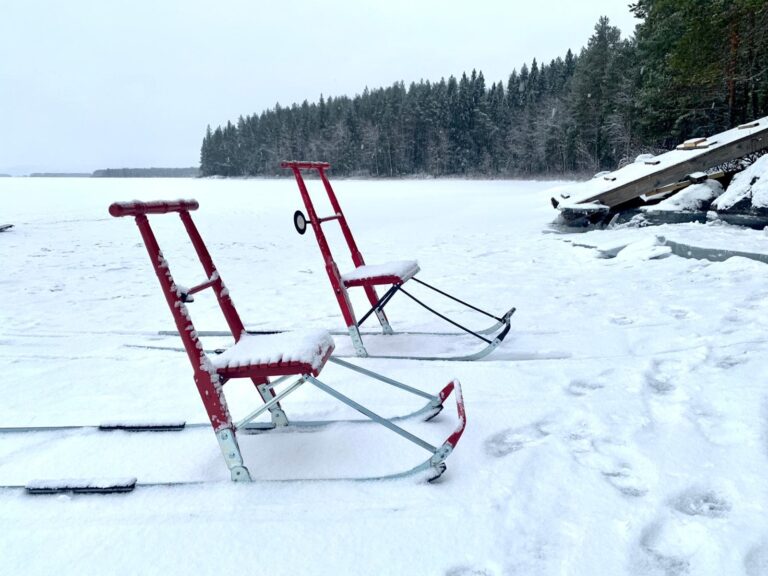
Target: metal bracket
385, 327
276, 412
357, 341
232, 456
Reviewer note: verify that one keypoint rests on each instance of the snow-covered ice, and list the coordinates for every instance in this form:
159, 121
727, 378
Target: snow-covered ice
641, 449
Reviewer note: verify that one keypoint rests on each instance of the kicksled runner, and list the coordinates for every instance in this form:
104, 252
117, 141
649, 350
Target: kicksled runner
277, 365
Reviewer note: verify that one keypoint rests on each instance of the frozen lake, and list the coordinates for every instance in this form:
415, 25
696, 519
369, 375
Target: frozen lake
639, 447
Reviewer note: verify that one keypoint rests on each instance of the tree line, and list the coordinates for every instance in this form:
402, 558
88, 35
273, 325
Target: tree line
146, 173
691, 68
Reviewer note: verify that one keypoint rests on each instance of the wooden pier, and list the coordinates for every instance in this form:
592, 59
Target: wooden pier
647, 180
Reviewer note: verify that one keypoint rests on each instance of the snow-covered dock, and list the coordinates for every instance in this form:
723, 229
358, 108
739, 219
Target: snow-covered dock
650, 176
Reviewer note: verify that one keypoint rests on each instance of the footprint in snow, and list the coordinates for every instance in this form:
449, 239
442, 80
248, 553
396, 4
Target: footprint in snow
756, 561
679, 313
665, 551
470, 571
685, 543
727, 362
657, 380
702, 502
582, 387
629, 473
625, 479
515, 439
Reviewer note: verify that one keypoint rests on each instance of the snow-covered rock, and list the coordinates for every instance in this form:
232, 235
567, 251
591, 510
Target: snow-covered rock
643, 158
748, 191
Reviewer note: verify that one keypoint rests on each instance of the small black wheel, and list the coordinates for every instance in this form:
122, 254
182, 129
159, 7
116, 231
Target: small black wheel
299, 222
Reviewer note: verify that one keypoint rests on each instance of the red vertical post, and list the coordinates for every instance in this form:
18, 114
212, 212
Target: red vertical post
357, 257
225, 302
207, 381
339, 289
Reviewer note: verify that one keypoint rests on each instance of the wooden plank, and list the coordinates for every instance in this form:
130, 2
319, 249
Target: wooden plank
669, 189
695, 144
664, 192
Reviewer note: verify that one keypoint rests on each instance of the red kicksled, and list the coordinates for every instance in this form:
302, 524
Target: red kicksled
276, 364
391, 274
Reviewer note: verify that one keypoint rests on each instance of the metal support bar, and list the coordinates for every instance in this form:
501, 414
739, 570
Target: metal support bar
276, 381
467, 304
357, 341
382, 378
372, 415
267, 405
436, 313
328, 218
383, 301
201, 286
232, 455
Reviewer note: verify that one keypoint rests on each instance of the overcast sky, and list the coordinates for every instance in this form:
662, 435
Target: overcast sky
88, 84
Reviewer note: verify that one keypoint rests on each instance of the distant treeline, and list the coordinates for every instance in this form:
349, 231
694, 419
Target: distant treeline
60, 175
692, 68
122, 173
147, 173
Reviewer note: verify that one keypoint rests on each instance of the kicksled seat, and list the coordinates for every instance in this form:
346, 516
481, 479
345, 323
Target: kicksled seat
391, 274
277, 364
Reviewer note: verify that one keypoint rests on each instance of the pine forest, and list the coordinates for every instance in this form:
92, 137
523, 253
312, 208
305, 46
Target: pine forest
690, 68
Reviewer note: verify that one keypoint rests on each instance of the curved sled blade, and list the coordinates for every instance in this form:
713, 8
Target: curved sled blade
482, 353
81, 486
428, 470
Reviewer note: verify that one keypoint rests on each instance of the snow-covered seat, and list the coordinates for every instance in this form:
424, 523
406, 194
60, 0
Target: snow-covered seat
275, 355
388, 273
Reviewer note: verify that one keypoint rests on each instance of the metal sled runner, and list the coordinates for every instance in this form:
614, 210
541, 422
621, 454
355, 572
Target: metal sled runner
277, 364
392, 274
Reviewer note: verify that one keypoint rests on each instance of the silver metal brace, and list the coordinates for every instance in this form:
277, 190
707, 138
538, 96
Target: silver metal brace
357, 342
385, 327
269, 404
372, 415
232, 456
276, 412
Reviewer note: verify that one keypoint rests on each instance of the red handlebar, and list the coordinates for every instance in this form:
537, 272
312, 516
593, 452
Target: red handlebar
303, 164
137, 208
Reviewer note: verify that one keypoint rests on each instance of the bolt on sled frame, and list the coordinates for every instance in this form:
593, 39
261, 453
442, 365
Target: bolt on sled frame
269, 361
393, 274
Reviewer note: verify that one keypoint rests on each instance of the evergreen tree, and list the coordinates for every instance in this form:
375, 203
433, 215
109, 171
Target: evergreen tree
693, 67
594, 98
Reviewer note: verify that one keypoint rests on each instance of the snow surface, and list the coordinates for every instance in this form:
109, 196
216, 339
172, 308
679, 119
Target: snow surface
403, 269
642, 451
